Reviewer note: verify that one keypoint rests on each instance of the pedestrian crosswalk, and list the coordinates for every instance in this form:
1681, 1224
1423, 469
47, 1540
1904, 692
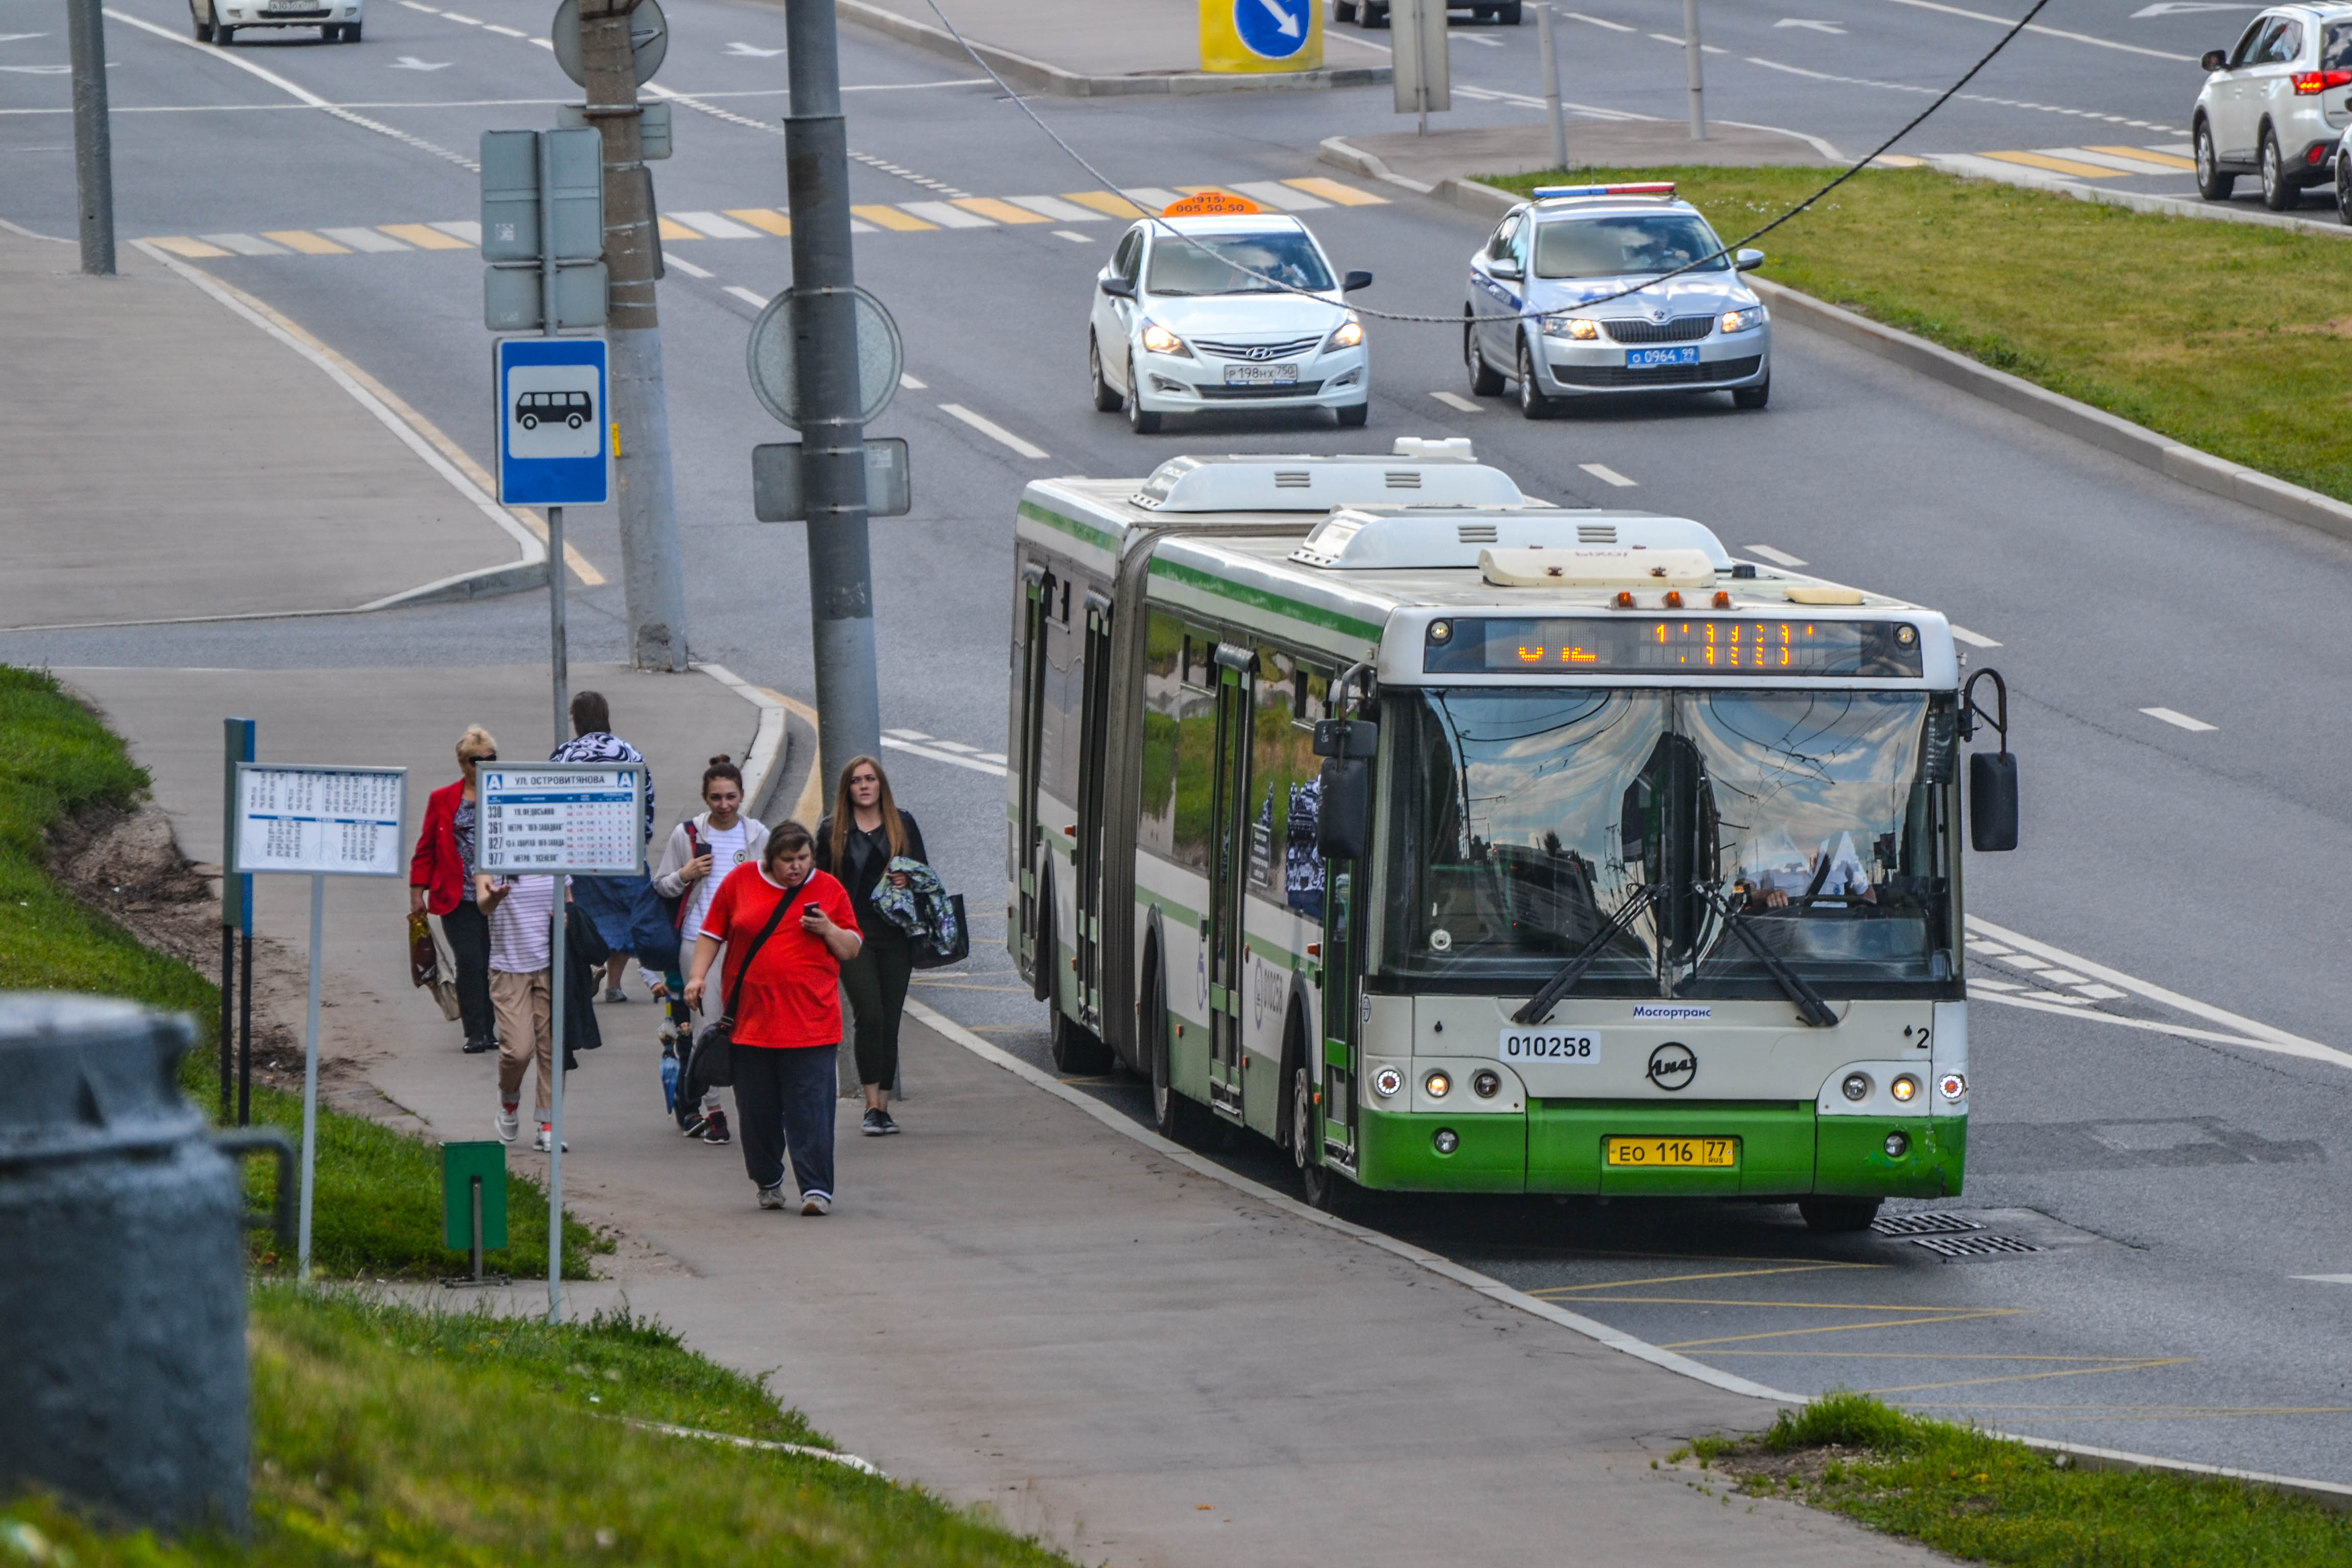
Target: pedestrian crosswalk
2092, 162
1306, 193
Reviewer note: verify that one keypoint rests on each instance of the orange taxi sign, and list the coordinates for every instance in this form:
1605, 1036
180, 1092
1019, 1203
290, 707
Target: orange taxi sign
1212, 204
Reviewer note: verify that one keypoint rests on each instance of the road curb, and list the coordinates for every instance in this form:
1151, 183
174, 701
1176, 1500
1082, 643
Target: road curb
2095, 426
1019, 71
1967, 166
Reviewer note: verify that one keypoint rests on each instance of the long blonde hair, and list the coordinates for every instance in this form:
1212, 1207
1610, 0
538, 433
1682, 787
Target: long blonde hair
844, 812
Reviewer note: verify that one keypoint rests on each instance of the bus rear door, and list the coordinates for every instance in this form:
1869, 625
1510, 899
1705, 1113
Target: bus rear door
1228, 871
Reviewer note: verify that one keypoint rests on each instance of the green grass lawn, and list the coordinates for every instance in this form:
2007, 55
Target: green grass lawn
377, 1209
1991, 1501
2232, 338
387, 1435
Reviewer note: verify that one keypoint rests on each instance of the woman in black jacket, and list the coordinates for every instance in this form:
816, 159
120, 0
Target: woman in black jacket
856, 843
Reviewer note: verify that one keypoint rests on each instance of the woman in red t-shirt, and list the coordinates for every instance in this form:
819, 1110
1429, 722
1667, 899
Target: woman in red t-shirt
787, 1009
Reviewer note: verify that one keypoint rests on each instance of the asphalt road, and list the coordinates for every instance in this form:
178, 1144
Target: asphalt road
2169, 1148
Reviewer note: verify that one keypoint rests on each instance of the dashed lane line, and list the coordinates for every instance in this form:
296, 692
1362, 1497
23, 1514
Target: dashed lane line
1458, 403
991, 429
1776, 557
748, 295
1974, 639
1608, 476
2180, 721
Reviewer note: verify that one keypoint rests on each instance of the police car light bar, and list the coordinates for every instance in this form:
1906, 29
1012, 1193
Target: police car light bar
1660, 188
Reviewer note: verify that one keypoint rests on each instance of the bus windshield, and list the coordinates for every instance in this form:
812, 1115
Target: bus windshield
1520, 821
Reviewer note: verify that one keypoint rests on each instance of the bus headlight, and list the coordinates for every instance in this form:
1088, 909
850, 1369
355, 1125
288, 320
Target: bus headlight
1856, 1086
1386, 1082
1952, 1085
1486, 1083
1905, 1088
1438, 1084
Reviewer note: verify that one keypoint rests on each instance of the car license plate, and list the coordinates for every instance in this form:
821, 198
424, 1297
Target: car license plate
1703, 1153
1640, 359
1261, 375
1576, 1048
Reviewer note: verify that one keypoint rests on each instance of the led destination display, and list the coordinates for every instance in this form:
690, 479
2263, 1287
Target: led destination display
1652, 644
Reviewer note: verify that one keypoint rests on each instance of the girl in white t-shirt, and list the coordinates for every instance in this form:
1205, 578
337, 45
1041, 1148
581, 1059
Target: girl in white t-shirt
696, 861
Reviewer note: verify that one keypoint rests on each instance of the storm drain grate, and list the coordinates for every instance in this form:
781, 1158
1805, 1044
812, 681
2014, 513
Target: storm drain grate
1922, 1225
1973, 1246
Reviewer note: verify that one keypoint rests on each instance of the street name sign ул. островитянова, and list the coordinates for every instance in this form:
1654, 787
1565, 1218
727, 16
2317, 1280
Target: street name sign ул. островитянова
562, 819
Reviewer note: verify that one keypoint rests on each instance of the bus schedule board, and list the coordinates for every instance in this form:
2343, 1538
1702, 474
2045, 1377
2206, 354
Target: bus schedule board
578, 819
319, 821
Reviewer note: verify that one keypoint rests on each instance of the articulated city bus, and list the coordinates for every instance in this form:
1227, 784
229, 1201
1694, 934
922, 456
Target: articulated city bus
1460, 842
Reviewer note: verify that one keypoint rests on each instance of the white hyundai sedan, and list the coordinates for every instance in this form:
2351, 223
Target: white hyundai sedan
1201, 314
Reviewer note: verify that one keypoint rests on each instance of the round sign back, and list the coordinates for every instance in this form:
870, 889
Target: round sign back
771, 357
648, 38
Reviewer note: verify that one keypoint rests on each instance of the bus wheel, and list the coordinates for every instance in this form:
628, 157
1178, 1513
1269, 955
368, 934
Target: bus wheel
1832, 1216
1077, 1050
1182, 1122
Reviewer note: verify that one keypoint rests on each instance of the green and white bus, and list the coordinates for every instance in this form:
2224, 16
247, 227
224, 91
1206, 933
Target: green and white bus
1460, 842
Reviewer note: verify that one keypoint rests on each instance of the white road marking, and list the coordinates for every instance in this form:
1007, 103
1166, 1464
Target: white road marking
752, 52
1702, 48
1057, 209
2101, 992
1958, 165
2049, 32
363, 239
688, 268
1279, 197
2178, 720
2064, 977
1071, 234
974, 764
428, 10
1152, 198
466, 229
1816, 26
947, 216
2260, 1035
411, 63
1476, 38
748, 295
469, 21
510, 32
245, 244
1974, 639
991, 429
1612, 26
909, 383
1776, 557
1455, 400
2315, 1279
711, 225
1606, 475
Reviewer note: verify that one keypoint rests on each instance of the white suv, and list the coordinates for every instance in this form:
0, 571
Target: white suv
2275, 105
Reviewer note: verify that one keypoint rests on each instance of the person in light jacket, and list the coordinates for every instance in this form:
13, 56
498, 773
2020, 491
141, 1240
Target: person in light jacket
698, 858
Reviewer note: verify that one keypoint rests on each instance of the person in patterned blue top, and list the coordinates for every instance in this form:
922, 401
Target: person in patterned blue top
609, 901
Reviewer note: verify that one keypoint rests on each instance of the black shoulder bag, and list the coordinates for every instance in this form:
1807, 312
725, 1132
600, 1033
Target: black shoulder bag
711, 1064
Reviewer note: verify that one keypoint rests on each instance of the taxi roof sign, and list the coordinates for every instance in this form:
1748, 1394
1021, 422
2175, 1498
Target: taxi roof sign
1653, 188
1212, 204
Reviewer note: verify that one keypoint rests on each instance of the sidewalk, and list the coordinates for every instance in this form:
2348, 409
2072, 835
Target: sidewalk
1100, 48
1592, 144
246, 452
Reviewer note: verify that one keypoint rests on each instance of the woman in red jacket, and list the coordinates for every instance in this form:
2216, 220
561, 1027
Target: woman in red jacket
441, 878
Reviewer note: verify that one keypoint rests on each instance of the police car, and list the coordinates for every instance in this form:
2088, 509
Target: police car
1549, 310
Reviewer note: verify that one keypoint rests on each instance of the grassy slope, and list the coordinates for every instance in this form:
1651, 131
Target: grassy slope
377, 1211
2230, 337
1992, 1500
383, 1435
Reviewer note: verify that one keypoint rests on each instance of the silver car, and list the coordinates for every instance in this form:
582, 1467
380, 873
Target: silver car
1700, 330
2274, 105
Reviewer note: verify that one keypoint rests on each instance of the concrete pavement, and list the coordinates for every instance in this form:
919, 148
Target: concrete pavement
245, 451
1472, 153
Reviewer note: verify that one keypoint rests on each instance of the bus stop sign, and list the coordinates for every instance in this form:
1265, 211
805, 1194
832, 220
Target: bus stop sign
553, 418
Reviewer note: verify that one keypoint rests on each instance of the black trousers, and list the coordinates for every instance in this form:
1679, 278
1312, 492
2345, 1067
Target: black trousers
468, 931
784, 1099
876, 982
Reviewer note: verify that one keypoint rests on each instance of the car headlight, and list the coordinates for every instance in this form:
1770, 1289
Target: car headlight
1158, 340
1583, 329
1740, 320
1350, 334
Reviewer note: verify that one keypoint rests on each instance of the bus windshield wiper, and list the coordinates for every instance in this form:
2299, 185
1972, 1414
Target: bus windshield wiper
1809, 1005
1539, 1006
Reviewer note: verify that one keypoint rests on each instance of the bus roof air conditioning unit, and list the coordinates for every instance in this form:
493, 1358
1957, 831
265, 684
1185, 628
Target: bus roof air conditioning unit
1361, 539
1250, 482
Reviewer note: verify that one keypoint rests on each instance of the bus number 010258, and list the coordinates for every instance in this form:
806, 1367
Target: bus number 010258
1575, 1047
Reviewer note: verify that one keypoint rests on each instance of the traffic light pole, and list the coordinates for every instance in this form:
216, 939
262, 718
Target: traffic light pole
833, 453
652, 577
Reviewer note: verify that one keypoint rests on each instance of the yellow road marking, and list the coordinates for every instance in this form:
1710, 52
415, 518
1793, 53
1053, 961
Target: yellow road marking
1333, 191
1840, 1327
1680, 1279
2066, 166
2035, 1376
181, 244
1002, 212
672, 229
2142, 155
891, 217
303, 240
1107, 202
767, 219
1896, 161
424, 236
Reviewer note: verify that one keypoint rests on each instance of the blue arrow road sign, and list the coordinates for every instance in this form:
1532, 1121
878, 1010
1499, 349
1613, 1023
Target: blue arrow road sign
1276, 29
552, 415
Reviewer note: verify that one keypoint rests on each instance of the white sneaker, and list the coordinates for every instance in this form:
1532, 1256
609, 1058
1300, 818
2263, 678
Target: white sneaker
510, 1126
815, 1204
546, 1139
771, 1198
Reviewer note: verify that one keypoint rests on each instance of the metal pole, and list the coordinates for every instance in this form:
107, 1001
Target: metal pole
559, 655
556, 989
1551, 87
310, 1080
653, 580
244, 1028
1697, 79
833, 446
228, 1008
93, 148
236, 891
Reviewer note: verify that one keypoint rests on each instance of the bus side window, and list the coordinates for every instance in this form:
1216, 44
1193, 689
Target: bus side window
1164, 651
1195, 712
1284, 781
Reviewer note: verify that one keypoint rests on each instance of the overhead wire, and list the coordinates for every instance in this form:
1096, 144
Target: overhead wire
1277, 284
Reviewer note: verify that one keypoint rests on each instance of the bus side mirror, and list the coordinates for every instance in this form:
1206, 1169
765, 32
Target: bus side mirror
1343, 815
1992, 801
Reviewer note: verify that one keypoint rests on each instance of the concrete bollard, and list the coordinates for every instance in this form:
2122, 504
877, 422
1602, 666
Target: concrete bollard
122, 1364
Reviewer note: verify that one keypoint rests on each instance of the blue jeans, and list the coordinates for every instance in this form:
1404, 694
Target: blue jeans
784, 1098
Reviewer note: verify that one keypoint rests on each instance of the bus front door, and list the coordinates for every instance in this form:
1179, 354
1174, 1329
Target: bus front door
1028, 745
1086, 862
1228, 866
